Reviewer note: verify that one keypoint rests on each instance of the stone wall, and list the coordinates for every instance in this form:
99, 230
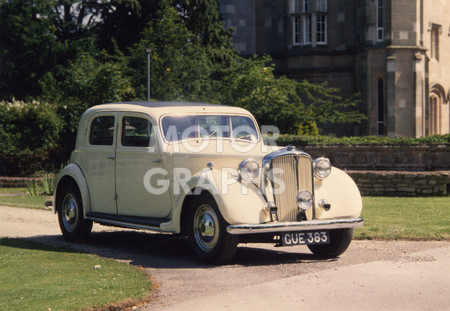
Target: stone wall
419, 170
391, 183
385, 158
15, 182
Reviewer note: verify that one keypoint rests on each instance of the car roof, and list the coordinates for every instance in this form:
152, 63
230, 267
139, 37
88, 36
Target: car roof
159, 108
158, 104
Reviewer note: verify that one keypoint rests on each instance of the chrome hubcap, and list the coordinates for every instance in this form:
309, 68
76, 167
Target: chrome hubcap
206, 228
70, 212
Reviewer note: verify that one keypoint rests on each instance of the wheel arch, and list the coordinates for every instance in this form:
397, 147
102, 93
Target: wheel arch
186, 206
72, 174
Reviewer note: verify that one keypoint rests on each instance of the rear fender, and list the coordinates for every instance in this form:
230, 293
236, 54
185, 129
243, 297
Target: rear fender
72, 173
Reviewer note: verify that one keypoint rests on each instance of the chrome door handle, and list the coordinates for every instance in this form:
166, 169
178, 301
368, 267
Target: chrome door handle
111, 157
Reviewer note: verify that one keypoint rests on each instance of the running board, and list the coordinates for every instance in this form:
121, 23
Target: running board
133, 222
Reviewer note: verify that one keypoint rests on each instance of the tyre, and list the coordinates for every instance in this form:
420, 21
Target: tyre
207, 232
340, 240
73, 226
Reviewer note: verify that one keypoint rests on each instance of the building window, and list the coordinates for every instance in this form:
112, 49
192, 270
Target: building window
380, 20
308, 29
306, 5
321, 29
434, 115
322, 6
309, 21
435, 30
380, 108
434, 110
297, 30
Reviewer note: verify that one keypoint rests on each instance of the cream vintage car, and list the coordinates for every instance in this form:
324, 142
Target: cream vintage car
202, 171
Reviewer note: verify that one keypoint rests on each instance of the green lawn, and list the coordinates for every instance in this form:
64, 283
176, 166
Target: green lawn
421, 218
37, 277
21, 199
13, 190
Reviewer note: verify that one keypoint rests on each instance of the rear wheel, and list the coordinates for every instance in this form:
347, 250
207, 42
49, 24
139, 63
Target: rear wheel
207, 232
340, 240
74, 227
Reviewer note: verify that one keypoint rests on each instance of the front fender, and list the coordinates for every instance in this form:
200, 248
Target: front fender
73, 172
341, 192
238, 202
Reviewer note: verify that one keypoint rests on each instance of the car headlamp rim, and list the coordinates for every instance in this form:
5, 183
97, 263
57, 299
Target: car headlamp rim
248, 170
322, 168
304, 200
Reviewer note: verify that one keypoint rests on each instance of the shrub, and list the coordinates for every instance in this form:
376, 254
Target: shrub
29, 132
299, 141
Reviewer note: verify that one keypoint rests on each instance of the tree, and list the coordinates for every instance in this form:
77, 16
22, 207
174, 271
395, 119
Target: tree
290, 105
38, 35
180, 68
85, 82
27, 47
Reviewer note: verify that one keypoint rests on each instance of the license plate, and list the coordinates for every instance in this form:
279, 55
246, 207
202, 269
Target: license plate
305, 238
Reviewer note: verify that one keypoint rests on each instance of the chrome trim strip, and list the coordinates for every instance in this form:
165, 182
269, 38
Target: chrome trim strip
295, 226
283, 152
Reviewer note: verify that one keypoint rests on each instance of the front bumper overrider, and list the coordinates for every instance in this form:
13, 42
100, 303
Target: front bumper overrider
274, 227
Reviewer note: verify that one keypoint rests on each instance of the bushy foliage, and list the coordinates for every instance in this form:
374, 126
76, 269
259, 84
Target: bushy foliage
290, 105
180, 68
78, 54
297, 140
29, 132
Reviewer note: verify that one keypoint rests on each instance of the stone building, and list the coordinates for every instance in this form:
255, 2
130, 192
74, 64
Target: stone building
396, 53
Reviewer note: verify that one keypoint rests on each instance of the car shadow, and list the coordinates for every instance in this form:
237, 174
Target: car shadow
156, 250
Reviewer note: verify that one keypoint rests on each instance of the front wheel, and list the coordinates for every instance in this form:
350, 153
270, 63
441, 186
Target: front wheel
340, 240
207, 232
74, 227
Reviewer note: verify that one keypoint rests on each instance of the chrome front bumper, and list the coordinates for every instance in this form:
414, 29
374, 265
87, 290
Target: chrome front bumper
274, 227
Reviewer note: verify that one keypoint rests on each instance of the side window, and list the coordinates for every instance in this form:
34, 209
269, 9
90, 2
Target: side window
102, 131
136, 132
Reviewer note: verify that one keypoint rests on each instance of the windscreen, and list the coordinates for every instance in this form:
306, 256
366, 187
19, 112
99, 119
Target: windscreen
176, 128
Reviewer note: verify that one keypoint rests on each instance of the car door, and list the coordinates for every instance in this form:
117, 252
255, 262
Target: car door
99, 162
141, 184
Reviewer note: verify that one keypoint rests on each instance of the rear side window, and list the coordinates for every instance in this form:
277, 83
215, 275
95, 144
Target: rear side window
102, 131
136, 132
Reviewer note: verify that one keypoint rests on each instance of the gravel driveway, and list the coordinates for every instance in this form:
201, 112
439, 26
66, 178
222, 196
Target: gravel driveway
181, 279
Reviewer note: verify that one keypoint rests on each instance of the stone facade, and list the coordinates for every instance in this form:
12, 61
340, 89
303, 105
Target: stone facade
394, 52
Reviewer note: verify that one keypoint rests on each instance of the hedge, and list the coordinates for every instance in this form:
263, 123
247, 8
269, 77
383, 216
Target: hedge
301, 141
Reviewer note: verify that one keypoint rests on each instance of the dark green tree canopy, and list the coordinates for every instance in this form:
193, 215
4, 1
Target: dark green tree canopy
74, 54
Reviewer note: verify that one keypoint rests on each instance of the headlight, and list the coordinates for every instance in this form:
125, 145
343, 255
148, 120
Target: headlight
322, 168
304, 200
248, 170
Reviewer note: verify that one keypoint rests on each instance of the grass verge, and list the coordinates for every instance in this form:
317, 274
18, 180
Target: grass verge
13, 190
18, 197
37, 277
416, 218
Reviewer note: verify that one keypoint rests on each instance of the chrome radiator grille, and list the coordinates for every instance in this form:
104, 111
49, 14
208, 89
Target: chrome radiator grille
295, 172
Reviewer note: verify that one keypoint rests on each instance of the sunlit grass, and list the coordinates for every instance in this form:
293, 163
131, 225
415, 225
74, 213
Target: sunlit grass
37, 277
415, 218
18, 197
